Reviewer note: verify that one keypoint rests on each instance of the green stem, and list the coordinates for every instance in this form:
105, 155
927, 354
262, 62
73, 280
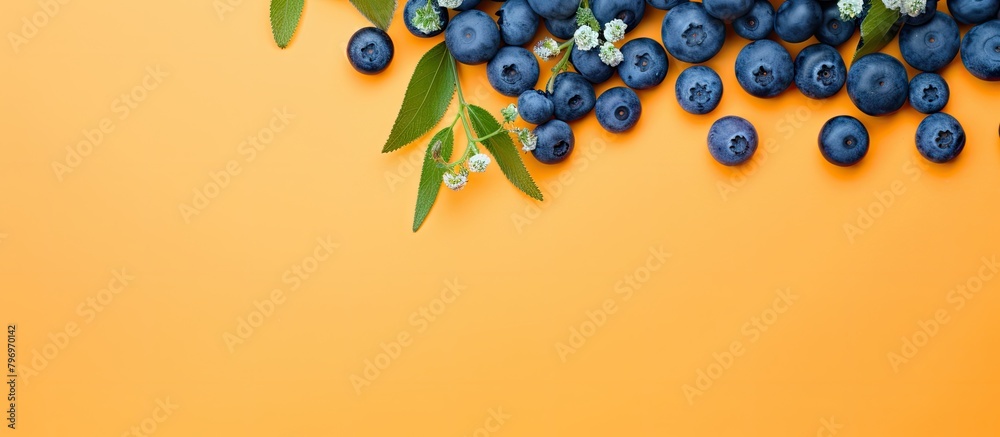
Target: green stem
561, 65
495, 133
466, 122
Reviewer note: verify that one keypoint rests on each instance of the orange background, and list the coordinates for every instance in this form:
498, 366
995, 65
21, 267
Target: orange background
530, 274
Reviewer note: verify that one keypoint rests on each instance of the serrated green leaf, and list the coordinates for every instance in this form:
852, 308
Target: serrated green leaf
285, 15
503, 150
878, 28
427, 98
430, 176
379, 12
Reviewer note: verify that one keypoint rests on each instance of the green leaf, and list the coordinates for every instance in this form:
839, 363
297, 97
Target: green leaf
379, 12
502, 148
879, 27
285, 15
430, 176
427, 98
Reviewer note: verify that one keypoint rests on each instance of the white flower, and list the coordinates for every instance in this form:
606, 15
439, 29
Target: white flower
586, 38
450, 4
611, 55
914, 7
455, 181
426, 19
509, 113
614, 31
892, 4
850, 9
479, 162
547, 49
527, 138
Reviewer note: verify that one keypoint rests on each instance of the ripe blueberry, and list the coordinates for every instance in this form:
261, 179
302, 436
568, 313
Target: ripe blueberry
472, 37
981, 50
518, 22
727, 10
698, 89
732, 140
764, 68
618, 109
973, 11
929, 93
691, 35
797, 20
756, 24
535, 107
645, 63
833, 30
940, 137
589, 64
665, 4
561, 28
555, 9
932, 45
877, 84
555, 142
513, 71
410, 12
843, 140
629, 11
370, 50
573, 96
819, 71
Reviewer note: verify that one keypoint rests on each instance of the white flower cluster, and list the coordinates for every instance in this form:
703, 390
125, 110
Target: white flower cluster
527, 138
456, 181
586, 38
850, 9
426, 18
906, 7
547, 49
478, 163
450, 4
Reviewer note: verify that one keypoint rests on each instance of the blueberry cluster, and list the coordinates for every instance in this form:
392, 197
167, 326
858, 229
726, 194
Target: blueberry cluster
592, 39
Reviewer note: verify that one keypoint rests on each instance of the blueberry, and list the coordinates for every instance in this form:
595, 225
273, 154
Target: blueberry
732, 140
410, 12
932, 45
940, 137
555, 9
573, 96
764, 68
645, 63
797, 20
472, 37
562, 29
981, 50
727, 10
698, 89
518, 23
618, 109
513, 71
877, 84
467, 4
833, 30
370, 50
555, 142
756, 24
973, 11
629, 11
819, 71
535, 107
929, 93
843, 141
665, 4
924, 16
691, 35
589, 64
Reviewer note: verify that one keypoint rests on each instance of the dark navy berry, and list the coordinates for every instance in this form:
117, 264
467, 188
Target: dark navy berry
924, 16
727, 10
932, 45
644, 63
562, 29
370, 50
555, 9
410, 12
929, 93
535, 107
589, 64
877, 84
764, 68
513, 71
797, 20
732, 140
518, 22
843, 140
981, 50
618, 109
573, 96
973, 11
555, 142
665, 4
691, 35
629, 11
698, 89
467, 4
940, 137
756, 24
472, 37
819, 71
833, 30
